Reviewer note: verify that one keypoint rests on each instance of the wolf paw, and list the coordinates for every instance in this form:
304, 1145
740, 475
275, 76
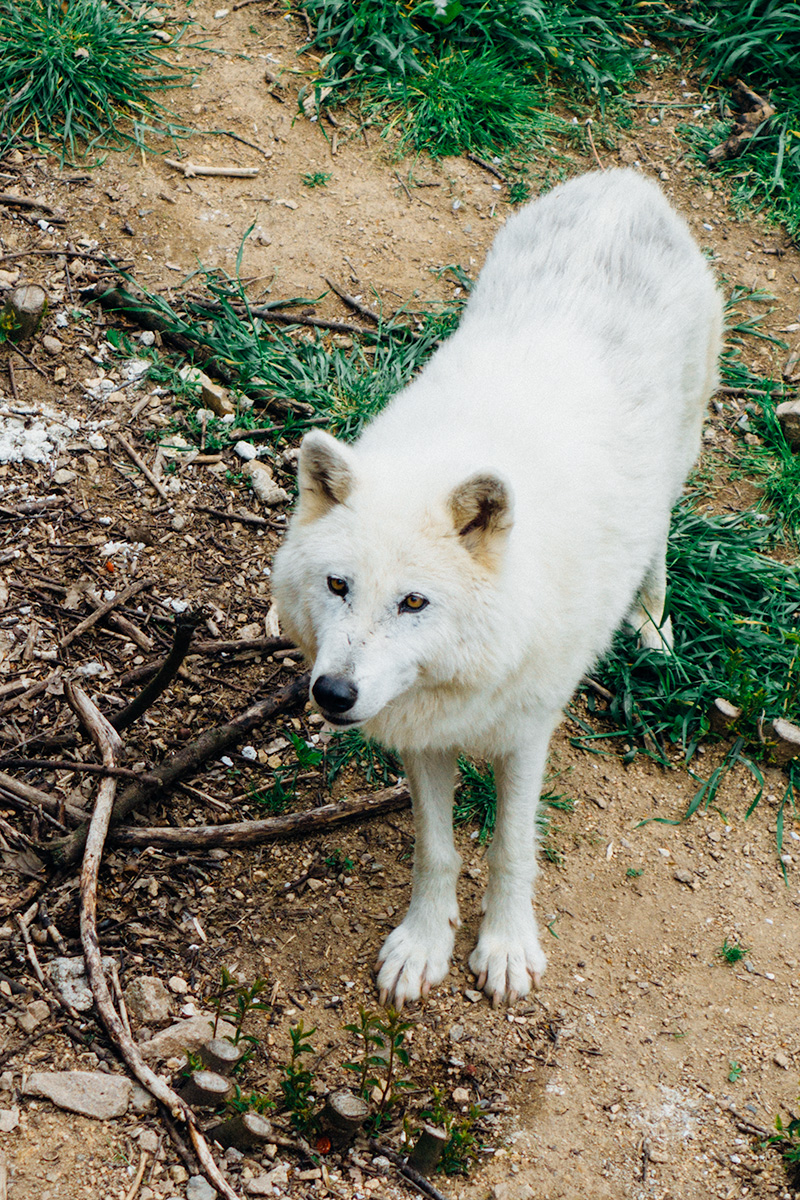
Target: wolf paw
654, 637
507, 965
413, 959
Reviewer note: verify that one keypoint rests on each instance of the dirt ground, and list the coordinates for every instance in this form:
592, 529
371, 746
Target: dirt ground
642, 1067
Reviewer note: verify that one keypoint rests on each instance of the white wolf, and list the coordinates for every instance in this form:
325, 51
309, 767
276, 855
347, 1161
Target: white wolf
453, 574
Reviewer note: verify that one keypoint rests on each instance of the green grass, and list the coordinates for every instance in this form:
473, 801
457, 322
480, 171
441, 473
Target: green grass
468, 75
758, 41
732, 952
79, 74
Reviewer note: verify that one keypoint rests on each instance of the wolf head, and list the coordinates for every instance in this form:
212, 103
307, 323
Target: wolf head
387, 576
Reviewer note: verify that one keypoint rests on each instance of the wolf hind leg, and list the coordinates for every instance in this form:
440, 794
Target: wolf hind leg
647, 618
416, 955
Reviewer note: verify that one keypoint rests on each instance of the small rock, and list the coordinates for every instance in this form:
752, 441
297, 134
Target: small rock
184, 1035
456, 1033
788, 414
90, 1093
60, 374
245, 450
64, 475
148, 1000
657, 1154
52, 345
97, 441
177, 985
215, 397
473, 996
148, 1140
264, 486
9, 1119
461, 1095
7, 1081
781, 1059
263, 1185
179, 522
515, 1189
142, 1101
684, 876
198, 1188
68, 977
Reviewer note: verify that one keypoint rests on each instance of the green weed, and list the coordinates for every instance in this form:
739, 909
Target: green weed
732, 952
79, 73
350, 747
466, 74
315, 179
735, 1070
242, 999
758, 41
297, 1082
787, 1141
463, 1141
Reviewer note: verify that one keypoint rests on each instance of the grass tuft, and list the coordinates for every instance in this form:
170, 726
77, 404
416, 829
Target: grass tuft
77, 73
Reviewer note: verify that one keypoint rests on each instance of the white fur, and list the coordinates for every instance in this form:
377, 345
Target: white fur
576, 383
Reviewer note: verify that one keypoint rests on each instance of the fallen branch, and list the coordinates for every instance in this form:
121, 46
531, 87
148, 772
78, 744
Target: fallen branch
50, 804
122, 597
139, 462
487, 166
190, 170
271, 829
11, 200
351, 301
263, 645
753, 111
185, 625
212, 742
108, 742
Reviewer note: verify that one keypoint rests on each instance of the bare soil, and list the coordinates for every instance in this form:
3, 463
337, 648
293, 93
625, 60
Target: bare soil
644, 1063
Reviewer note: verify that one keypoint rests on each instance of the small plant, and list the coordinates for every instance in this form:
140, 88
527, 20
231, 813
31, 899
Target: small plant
381, 1041
732, 952
787, 1142
316, 179
193, 1063
339, 863
245, 1000
76, 72
351, 747
634, 872
298, 1082
254, 1102
463, 1142
735, 1070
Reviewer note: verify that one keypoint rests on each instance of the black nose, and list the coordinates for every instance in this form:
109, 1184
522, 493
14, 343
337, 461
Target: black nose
334, 694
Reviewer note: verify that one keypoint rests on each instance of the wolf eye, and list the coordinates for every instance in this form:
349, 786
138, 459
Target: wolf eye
413, 602
337, 586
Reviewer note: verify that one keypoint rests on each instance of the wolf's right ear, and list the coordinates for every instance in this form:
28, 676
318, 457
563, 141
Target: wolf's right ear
483, 513
325, 474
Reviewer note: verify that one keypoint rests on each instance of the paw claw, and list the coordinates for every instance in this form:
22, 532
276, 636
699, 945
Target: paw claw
481, 981
383, 996
536, 977
426, 987
512, 998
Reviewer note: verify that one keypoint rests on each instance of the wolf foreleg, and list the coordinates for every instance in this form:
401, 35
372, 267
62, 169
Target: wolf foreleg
417, 954
508, 957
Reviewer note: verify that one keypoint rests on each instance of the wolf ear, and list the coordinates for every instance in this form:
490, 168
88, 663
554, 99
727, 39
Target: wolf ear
482, 513
325, 474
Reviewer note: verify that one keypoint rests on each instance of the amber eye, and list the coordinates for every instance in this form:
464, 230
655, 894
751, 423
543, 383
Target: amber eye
413, 602
338, 586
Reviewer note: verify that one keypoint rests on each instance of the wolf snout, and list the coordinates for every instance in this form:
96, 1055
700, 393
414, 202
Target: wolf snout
334, 694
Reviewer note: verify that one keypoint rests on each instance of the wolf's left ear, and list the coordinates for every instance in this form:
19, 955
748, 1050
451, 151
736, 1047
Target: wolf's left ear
482, 512
325, 474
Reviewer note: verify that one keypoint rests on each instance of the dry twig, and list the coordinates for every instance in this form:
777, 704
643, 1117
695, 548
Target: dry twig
122, 597
190, 170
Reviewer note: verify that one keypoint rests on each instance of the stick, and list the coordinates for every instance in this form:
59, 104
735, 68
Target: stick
108, 742
419, 1181
250, 833
190, 170
33, 796
138, 1177
211, 742
351, 301
265, 645
121, 598
185, 625
72, 764
140, 463
588, 124
487, 166
11, 200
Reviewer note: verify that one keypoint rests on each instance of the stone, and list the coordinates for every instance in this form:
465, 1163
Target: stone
684, 876
788, 414
52, 345
89, 1093
198, 1188
461, 1095
64, 475
473, 996
148, 1000
68, 977
9, 1119
513, 1189
245, 450
184, 1035
781, 1059
263, 1185
149, 1141
263, 484
178, 1174
178, 985
142, 1101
